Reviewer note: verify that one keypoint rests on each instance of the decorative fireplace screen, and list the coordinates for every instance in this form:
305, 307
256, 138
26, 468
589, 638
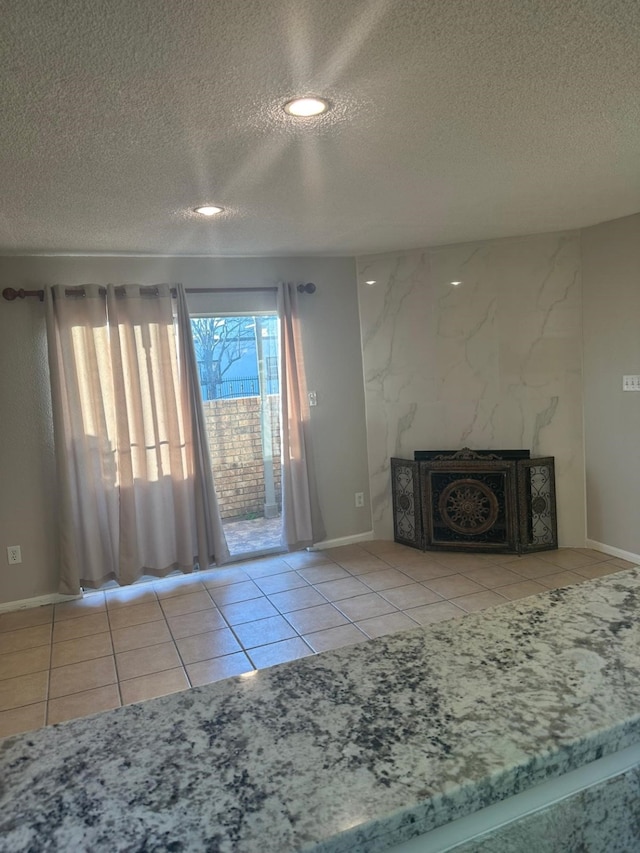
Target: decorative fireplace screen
475, 501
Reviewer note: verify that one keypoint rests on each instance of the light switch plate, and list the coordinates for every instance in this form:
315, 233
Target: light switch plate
313, 398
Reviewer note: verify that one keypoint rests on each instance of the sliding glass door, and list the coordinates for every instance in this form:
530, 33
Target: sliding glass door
238, 360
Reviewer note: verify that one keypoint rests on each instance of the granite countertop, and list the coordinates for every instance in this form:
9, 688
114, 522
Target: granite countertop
351, 750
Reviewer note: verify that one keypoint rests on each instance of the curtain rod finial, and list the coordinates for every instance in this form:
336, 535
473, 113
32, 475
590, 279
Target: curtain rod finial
10, 293
307, 288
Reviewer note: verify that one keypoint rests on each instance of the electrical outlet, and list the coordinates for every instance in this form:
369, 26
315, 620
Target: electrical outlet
14, 554
359, 499
631, 383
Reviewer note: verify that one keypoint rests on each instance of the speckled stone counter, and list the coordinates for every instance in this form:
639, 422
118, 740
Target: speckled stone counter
352, 750
603, 818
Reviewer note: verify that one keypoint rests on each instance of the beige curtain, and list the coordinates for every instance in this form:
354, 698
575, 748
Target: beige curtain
209, 531
132, 495
302, 522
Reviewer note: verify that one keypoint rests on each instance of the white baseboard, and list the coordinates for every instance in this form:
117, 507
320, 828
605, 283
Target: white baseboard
37, 601
614, 552
343, 540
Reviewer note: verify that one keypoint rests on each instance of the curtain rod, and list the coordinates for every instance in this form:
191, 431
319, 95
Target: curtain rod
10, 293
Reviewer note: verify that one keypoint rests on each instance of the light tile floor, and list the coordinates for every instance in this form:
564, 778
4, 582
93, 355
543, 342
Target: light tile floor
133, 643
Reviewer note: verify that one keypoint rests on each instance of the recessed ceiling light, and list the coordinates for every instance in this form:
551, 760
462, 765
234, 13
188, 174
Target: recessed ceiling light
208, 210
305, 107
369, 282
456, 283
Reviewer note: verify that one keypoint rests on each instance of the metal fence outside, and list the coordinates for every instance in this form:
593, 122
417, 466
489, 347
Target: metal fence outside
239, 386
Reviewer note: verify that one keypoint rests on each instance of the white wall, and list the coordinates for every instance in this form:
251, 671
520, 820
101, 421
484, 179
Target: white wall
611, 281
333, 361
494, 363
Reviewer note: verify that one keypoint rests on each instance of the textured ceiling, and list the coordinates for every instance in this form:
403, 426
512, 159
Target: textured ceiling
452, 120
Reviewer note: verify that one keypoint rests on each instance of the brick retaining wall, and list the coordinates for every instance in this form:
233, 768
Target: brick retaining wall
233, 427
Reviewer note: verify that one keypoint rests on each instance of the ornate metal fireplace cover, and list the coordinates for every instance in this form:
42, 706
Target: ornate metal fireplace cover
407, 515
468, 507
537, 504
475, 500
469, 504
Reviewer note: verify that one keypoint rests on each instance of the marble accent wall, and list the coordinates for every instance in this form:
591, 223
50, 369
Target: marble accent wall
493, 363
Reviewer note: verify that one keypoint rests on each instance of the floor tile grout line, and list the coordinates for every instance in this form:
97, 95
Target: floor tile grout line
84, 689
179, 653
246, 650
238, 641
555, 569
523, 579
48, 691
173, 640
155, 671
228, 625
115, 663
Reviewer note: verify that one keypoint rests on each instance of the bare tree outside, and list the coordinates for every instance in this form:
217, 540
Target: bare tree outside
220, 342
